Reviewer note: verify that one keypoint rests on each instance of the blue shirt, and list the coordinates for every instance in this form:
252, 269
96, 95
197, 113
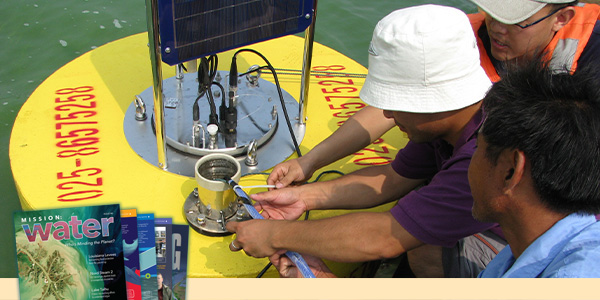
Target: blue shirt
570, 248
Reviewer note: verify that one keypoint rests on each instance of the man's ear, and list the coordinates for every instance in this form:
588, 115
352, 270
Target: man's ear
563, 17
515, 168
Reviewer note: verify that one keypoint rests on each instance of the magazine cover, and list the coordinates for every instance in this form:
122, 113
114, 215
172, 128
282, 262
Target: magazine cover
70, 253
131, 253
164, 256
147, 244
180, 256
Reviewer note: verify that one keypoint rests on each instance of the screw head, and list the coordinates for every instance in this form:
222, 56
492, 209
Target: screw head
201, 219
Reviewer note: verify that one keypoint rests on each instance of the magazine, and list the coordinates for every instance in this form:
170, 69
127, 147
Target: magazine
70, 253
147, 244
164, 254
180, 257
131, 253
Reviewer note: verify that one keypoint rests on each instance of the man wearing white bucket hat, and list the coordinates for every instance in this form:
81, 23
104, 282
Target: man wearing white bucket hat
507, 30
424, 73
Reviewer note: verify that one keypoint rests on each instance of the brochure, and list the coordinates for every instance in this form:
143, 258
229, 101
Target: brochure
147, 244
131, 253
70, 253
180, 259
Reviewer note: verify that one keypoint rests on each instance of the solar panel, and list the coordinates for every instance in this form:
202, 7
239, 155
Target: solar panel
190, 29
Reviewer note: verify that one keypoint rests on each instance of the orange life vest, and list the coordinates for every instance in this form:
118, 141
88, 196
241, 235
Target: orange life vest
564, 48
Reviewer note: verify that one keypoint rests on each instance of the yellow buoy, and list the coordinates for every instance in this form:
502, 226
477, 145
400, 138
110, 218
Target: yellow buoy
68, 147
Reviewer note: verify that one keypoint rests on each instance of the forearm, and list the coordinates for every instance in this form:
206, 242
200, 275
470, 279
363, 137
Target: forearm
357, 132
349, 238
364, 188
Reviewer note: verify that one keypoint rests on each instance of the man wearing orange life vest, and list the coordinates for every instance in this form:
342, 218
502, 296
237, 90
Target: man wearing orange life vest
518, 30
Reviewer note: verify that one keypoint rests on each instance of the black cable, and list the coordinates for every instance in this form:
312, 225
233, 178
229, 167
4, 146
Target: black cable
253, 70
327, 172
312, 73
287, 118
219, 85
207, 70
213, 118
264, 270
196, 108
256, 173
274, 73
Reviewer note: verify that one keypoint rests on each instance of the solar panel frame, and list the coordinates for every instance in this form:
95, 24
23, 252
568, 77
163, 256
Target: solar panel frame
190, 29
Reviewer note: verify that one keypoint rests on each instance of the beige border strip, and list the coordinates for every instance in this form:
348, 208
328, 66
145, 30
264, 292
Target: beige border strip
380, 289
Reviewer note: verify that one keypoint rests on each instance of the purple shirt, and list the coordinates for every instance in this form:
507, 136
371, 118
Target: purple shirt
439, 213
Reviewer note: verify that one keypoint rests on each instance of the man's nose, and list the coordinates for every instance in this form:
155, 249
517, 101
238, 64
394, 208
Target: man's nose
497, 26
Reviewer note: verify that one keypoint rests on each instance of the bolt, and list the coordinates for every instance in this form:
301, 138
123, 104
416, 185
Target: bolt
307, 16
195, 192
201, 219
240, 215
274, 112
167, 50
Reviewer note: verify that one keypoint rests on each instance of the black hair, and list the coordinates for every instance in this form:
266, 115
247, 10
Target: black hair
554, 118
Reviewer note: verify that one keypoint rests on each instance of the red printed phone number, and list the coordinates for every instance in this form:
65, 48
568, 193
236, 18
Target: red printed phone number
77, 138
347, 109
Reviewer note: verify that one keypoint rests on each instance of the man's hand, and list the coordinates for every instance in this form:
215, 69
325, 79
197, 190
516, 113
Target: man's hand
295, 171
282, 204
288, 270
254, 236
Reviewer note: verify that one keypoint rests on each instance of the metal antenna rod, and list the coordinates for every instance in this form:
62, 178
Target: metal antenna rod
309, 37
155, 59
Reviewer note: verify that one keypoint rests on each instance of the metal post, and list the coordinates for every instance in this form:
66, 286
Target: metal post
155, 59
309, 37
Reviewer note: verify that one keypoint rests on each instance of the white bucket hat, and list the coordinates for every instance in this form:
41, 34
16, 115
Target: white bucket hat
514, 11
424, 59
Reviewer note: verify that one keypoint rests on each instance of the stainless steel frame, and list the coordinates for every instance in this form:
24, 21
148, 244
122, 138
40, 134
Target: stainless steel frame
309, 37
155, 58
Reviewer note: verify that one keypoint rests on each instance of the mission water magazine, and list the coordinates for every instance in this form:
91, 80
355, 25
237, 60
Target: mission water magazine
70, 253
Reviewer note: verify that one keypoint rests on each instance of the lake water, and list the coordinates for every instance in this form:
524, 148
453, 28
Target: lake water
37, 37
